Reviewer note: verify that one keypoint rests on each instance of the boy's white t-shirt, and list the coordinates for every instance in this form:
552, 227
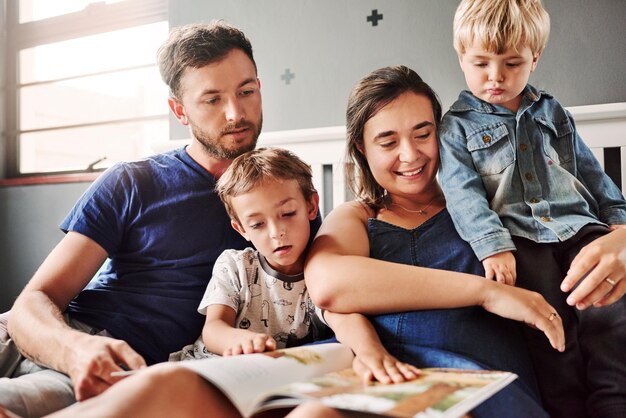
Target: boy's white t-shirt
265, 300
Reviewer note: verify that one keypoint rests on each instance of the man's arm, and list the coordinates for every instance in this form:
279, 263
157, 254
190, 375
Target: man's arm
372, 359
37, 326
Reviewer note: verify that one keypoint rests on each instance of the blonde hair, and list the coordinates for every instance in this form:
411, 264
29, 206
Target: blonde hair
499, 25
258, 166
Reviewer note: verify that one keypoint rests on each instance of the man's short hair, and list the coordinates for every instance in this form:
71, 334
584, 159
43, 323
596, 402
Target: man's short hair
196, 45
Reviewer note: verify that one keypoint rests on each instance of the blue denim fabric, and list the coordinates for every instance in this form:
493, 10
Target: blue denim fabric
527, 174
468, 338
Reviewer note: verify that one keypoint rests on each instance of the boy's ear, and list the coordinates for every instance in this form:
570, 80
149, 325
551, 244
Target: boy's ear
313, 205
178, 109
535, 61
237, 227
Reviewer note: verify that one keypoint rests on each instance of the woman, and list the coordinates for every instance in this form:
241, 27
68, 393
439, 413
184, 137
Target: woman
392, 119
400, 216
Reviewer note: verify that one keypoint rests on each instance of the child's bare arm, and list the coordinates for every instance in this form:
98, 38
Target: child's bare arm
501, 267
372, 359
221, 337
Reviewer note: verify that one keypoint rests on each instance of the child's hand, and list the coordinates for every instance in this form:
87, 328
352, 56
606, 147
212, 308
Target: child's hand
378, 364
251, 342
501, 267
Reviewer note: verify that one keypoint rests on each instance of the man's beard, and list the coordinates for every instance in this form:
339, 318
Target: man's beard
212, 143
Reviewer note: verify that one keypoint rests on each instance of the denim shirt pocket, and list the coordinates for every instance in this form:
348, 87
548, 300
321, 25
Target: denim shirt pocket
558, 139
491, 149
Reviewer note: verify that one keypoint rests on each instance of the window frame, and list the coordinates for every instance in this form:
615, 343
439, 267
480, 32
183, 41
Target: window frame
95, 19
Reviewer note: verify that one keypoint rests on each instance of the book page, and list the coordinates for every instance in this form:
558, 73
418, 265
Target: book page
442, 393
245, 378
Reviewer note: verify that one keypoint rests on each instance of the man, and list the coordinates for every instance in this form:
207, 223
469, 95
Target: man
160, 224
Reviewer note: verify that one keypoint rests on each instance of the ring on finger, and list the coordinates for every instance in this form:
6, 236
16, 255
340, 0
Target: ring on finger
552, 316
610, 281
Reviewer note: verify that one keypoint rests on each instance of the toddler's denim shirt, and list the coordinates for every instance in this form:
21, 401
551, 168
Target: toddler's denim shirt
527, 174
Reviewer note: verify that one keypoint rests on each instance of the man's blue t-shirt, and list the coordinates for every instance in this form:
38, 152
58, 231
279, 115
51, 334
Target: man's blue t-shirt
163, 226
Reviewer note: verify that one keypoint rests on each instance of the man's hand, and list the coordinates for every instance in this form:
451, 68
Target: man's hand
501, 267
94, 359
251, 342
600, 271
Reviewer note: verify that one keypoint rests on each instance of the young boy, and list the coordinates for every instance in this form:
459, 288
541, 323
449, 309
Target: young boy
517, 177
257, 300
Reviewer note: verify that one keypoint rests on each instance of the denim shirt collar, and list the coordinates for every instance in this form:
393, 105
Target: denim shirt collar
468, 102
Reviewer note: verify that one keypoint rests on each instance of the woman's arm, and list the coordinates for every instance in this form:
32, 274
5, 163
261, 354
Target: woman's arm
341, 277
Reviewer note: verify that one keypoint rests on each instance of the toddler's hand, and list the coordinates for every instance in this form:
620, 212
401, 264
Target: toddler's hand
378, 364
252, 343
501, 267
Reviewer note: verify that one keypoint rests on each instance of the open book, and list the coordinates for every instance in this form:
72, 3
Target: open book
284, 378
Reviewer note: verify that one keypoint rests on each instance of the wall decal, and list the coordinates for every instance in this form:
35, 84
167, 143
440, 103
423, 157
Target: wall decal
374, 17
287, 76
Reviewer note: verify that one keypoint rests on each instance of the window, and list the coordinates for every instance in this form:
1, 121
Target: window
83, 88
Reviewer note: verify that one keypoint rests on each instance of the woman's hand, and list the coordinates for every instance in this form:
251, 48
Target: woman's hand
378, 364
599, 269
525, 306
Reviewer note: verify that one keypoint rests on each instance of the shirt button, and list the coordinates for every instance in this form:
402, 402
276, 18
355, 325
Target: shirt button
523, 147
546, 218
534, 200
486, 139
528, 176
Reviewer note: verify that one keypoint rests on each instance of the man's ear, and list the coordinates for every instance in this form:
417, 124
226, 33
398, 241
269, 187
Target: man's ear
178, 110
313, 205
237, 227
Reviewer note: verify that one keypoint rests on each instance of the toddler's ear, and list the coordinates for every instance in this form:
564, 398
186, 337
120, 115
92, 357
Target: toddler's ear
535, 61
313, 205
237, 227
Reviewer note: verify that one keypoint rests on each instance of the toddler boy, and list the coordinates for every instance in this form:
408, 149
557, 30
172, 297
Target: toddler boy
518, 177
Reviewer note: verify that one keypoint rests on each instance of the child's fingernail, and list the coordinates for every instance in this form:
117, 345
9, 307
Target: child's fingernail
571, 301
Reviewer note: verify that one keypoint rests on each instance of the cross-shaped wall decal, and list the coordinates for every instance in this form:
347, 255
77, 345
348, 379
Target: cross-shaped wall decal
374, 17
287, 76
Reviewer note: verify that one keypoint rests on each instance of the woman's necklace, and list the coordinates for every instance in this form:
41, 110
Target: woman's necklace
421, 211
